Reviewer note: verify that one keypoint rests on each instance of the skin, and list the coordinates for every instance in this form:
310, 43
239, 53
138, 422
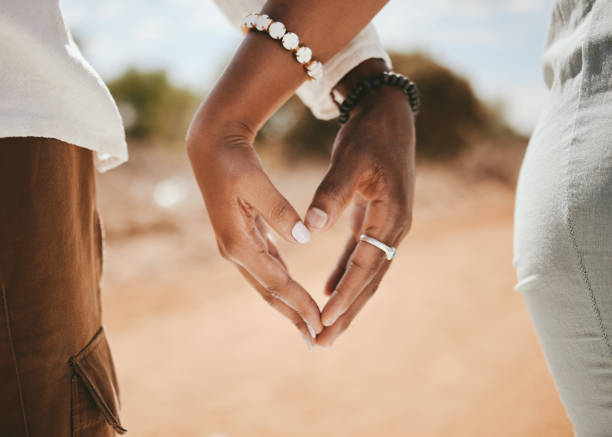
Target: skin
244, 205
372, 162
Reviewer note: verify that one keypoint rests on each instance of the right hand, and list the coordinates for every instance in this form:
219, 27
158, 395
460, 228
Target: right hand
241, 200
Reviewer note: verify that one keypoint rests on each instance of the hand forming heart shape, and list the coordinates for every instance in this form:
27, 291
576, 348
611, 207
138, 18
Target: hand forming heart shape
372, 162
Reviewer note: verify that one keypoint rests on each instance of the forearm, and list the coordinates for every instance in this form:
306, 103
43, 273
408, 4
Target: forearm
262, 75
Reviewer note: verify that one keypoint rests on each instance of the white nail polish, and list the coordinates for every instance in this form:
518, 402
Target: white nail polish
308, 343
300, 232
313, 334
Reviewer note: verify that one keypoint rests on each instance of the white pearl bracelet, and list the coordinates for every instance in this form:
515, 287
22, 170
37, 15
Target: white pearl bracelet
289, 40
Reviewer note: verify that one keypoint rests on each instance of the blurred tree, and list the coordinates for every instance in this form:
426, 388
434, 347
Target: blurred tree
451, 118
152, 107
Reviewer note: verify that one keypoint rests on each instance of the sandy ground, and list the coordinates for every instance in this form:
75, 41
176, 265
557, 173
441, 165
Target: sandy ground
445, 348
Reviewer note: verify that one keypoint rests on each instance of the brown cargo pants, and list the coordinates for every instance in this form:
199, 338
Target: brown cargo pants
57, 377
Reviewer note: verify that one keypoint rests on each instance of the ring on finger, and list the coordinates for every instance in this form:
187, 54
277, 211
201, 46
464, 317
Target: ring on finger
388, 250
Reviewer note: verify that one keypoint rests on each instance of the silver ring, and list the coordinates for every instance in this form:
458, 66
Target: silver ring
389, 251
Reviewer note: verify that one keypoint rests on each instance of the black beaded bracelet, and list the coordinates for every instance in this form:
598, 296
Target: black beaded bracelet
365, 85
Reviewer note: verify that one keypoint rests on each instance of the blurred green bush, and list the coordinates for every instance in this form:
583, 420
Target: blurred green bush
451, 118
152, 107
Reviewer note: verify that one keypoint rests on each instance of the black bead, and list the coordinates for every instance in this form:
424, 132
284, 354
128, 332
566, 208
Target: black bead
366, 85
345, 107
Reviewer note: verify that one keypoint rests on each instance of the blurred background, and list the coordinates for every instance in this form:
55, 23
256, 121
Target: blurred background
445, 347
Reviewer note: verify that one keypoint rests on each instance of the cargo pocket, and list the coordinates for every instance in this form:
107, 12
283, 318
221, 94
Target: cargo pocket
94, 391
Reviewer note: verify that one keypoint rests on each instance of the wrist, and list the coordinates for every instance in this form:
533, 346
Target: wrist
373, 83
212, 130
367, 68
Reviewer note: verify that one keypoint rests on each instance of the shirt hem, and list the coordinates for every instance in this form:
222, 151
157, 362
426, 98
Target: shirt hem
110, 152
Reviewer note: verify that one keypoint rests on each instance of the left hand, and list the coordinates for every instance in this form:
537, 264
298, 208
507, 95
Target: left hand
372, 161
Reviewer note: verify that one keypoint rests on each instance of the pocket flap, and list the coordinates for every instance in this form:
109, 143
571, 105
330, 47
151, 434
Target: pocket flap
94, 365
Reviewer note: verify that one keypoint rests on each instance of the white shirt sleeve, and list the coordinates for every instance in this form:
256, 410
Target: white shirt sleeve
316, 94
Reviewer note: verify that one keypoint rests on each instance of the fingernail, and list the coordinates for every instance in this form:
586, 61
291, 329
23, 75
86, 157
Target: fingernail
316, 218
300, 233
308, 343
313, 334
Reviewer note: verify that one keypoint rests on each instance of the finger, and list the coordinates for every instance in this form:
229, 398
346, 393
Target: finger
267, 237
262, 195
273, 250
269, 272
281, 308
361, 267
331, 333
357, 217
383, 223
333, 194
339, 269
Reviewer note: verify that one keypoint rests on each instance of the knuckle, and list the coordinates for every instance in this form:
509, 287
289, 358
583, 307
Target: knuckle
229, 247
280, 210
356, 264
331, 190
270, 300
378, 180
277, 288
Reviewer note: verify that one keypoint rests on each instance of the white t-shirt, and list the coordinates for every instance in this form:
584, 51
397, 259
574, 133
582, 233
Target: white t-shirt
47, 88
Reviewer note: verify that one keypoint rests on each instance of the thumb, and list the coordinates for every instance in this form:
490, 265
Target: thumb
278, 213
332, 196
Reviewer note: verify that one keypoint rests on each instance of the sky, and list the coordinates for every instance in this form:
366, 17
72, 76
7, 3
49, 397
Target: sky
496, 44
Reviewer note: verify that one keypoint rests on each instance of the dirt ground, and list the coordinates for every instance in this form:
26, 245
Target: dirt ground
445, 348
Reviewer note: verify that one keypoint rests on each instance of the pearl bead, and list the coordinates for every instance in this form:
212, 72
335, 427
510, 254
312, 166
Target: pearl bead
290, 41
262, 22
277, 30
315, 69
303, 55
249, 21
